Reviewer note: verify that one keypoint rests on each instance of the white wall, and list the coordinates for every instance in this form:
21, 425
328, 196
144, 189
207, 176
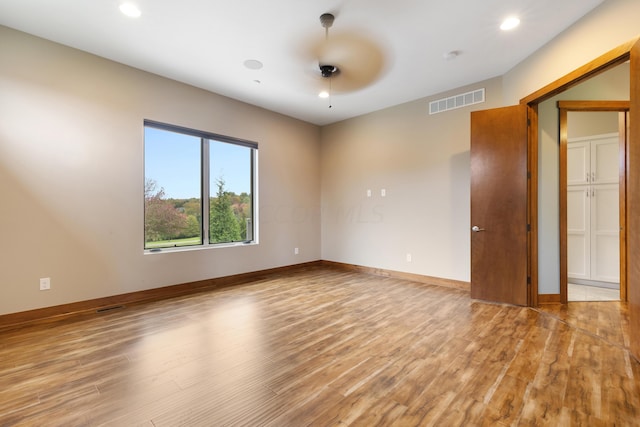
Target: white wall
71, 177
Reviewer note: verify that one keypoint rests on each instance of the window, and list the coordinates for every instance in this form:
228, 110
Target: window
198, 188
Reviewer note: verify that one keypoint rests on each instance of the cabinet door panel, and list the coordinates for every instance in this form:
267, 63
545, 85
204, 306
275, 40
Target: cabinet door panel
578, 245
605, 233
578, 163
604, 161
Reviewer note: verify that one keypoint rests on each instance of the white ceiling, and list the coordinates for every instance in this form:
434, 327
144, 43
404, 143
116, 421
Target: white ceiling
396, 46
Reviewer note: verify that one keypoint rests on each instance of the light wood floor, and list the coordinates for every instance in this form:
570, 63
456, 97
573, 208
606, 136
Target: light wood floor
324, 347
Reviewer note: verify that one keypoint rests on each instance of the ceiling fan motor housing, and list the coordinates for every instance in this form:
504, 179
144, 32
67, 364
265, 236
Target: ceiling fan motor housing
328, 70
326, 20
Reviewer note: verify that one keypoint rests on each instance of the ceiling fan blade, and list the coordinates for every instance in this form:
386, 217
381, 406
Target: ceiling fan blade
360, 61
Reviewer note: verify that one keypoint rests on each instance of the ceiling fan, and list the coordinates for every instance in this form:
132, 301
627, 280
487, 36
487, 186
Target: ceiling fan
327, 70
349, 60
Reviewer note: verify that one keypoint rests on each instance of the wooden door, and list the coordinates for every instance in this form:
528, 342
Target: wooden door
499, 244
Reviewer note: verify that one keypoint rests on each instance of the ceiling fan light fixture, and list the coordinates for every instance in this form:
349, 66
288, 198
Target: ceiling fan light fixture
324, 94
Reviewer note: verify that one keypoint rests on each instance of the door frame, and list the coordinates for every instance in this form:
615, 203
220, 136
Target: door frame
604, 62
622, 107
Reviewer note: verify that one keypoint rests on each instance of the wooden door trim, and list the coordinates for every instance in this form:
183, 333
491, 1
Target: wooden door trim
623, 131
594, 105
633, 202
590, 106
601, 64
532, 213
563, 207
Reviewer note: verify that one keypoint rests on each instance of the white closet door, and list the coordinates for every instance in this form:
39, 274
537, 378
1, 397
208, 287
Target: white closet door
578, 228
605, 232
578, 163
604, 161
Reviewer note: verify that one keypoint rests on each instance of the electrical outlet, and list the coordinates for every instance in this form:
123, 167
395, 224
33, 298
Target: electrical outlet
45, 284
295, 251
383, 193
368, 193
408, 257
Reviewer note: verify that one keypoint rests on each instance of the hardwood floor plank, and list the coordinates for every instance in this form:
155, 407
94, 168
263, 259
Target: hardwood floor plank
385, 414
428, 410
463, 411
541, 409
322, 346
506, 402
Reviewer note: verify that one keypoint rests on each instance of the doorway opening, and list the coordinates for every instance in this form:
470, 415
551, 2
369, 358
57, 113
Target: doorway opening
593, 153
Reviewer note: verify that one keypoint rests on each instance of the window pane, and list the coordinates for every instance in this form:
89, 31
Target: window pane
172, 189
231, 199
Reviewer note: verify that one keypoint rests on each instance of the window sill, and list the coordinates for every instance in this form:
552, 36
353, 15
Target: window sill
197, 248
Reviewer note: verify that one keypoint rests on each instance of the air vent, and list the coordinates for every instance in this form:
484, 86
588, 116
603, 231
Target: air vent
456, 101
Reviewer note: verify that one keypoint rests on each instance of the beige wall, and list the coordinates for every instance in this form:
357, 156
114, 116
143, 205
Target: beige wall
422, 162
590, 123
71, 177
71, 171
608, 26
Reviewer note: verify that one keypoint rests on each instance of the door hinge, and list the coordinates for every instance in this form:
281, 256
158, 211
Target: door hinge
528, 175
528, 121
528, 280
528, 227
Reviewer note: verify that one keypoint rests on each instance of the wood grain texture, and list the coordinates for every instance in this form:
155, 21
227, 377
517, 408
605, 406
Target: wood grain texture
623, 132
614, 57
593, 105
89, 307
324, 346
499, 194
550, 299
563, 204
532, 209
633, 201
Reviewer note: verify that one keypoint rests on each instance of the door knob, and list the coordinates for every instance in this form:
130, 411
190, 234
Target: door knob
476, 229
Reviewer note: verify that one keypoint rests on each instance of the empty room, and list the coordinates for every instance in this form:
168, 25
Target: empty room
350, 213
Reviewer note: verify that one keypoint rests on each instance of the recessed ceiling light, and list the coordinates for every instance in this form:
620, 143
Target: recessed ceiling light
323, 94
130, 9
253, 64
451, 55
510, 23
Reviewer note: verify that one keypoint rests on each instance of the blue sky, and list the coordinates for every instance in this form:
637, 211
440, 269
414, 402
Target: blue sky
173, 161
